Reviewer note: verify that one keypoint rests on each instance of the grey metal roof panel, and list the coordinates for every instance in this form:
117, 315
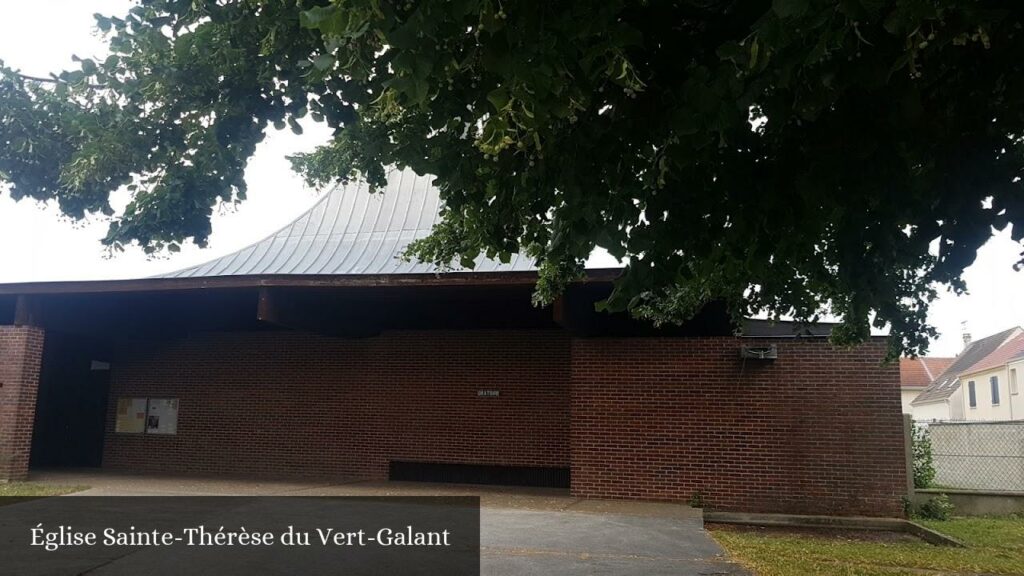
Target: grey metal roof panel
350, 231
949, 381
762, 328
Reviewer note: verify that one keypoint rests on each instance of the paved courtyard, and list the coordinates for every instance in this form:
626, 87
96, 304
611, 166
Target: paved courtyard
523, 530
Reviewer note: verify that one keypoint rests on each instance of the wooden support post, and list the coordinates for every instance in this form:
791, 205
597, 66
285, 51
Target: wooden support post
27, 311
266, 311
558, 311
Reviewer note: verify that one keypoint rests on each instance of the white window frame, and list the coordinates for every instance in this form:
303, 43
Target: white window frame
993, 390
1014, 390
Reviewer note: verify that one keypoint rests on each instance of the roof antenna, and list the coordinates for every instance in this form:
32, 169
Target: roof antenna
965, 334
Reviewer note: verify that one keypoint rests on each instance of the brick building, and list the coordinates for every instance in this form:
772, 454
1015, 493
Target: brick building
316, 353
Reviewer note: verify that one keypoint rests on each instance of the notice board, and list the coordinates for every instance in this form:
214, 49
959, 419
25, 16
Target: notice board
162, 416
131, 416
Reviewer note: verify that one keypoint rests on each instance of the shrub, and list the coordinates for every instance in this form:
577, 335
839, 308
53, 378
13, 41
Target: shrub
924, 470
936, 508
697, 499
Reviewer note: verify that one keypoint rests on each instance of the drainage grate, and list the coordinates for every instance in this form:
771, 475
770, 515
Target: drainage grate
479, 474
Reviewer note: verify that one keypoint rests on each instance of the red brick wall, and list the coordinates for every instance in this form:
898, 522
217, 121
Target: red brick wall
21, 353
291, 404
817, 431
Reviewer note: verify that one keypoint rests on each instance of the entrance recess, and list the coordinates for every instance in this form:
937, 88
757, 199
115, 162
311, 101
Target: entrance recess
72, 404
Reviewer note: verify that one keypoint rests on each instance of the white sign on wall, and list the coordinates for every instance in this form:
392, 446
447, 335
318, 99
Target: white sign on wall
162, 417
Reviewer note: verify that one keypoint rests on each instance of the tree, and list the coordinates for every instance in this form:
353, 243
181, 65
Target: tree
792, 156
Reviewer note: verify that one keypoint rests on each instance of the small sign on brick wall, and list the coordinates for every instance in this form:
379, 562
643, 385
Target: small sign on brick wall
488, 393
163, 416
131, 416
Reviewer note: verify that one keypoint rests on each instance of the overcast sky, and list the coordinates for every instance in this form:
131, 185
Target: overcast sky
39, 36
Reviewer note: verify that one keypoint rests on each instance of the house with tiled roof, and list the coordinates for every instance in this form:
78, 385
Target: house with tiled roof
1014, 377
948, 397
916, 374
992, 386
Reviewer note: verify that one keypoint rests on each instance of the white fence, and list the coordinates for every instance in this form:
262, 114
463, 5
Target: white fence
978, 455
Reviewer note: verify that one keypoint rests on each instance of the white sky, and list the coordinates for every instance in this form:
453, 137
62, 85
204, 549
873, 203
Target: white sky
39, 36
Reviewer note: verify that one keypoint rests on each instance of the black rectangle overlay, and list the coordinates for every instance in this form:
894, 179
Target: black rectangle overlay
228, 536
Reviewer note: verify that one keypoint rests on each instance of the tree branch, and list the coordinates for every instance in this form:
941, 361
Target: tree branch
51, 80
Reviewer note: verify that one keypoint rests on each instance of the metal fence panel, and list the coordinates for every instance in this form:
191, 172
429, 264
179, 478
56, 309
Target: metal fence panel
978, 455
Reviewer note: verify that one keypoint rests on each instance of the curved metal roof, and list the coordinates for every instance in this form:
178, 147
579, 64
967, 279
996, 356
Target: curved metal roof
350, 231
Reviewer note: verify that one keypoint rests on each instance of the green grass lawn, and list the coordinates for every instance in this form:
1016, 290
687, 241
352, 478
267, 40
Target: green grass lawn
33, 490
994, 546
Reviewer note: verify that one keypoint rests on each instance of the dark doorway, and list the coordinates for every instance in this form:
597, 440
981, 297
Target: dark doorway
72, 403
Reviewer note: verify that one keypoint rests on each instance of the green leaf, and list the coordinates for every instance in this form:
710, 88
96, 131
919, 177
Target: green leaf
102, 22
314, 16
324, 62
789, 8
498, 98
73, 77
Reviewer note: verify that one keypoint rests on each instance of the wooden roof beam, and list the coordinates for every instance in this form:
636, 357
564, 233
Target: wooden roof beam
289, 310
